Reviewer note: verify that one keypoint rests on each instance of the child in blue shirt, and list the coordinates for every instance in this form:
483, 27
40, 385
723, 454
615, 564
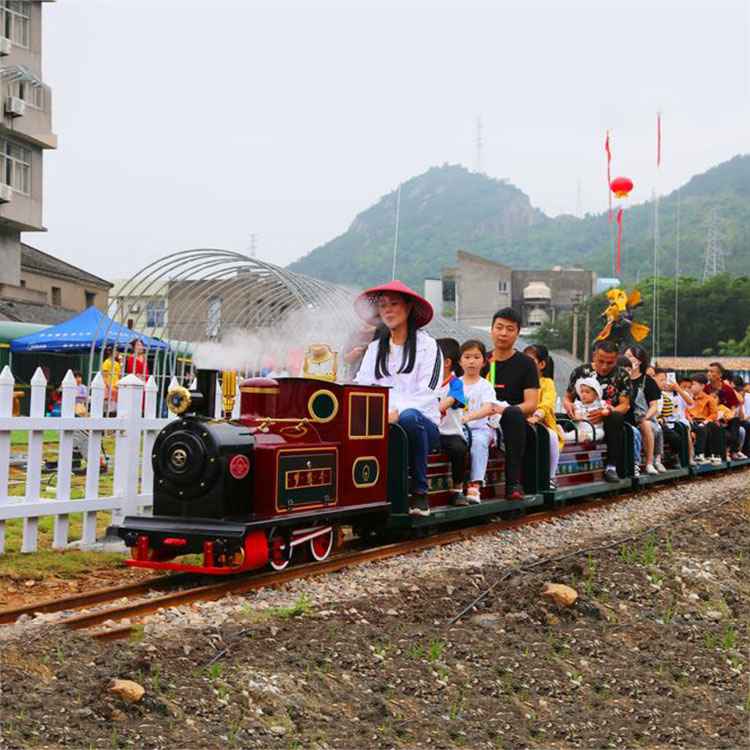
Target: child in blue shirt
452, 402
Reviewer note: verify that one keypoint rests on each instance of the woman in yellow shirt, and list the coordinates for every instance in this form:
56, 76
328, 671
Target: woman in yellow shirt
111, 371
545, 411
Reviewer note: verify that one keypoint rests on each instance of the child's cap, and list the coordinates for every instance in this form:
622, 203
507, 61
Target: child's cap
591, 383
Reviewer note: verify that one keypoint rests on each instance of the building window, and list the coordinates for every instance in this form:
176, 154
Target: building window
23, 283
90, 299
449, 290
502, 286
155, 309
16, 21
214, 317
32, 95
57, 296
15, 166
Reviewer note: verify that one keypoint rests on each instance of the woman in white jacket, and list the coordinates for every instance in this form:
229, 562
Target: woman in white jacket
409, 361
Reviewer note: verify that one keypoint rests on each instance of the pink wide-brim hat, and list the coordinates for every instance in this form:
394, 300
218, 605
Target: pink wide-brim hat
366, 304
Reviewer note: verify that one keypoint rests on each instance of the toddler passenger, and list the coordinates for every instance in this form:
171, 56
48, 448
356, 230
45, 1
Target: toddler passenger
669, 412
82, 396
452, 403
480, 403
589, 392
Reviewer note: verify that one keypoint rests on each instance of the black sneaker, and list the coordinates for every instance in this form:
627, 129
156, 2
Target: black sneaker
458, 499
610, 475
420, 505
514, 492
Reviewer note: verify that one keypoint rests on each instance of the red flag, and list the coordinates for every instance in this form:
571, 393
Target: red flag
609, 179
658, 140
619, 237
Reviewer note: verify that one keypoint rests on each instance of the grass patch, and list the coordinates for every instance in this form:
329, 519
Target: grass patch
49, 563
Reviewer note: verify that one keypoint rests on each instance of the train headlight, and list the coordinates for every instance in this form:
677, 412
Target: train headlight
178, 400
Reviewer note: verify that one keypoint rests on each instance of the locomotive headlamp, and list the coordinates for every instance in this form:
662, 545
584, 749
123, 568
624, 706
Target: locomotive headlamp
178, 400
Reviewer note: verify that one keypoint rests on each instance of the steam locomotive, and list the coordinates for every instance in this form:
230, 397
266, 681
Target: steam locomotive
308, 456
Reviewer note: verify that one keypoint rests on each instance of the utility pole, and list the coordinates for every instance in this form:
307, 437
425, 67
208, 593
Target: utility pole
574, 347
586, 330
479, 145
714, 263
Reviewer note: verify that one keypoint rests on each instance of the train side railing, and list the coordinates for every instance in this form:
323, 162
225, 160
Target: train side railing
40, 456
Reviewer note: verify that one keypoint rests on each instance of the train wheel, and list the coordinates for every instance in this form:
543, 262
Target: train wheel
278, 555
321, 545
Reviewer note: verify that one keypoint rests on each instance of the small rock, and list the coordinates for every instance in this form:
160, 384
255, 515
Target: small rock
29, 584
488, 621
278, 730
516, 617
273, 630
392, 613
127, 690
25, 617
560, 593
713, 614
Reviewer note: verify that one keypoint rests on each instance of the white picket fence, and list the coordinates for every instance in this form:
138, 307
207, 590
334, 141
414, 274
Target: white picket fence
135, 427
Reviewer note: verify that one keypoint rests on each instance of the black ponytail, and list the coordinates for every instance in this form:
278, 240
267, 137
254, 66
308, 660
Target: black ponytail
384, 348
541, 352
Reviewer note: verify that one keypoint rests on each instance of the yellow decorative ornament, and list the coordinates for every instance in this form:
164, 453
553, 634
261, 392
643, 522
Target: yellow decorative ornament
619, 316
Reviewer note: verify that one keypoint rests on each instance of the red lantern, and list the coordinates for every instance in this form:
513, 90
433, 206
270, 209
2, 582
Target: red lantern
621, 186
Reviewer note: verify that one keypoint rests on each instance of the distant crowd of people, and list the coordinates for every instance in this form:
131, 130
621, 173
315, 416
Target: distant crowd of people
113, 364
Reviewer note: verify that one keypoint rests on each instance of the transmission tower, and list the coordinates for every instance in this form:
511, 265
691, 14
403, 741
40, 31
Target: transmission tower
579, 201
252, 249
714, 264
479, 144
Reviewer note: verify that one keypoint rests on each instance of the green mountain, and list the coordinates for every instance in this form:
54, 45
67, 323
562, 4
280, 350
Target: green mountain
449, 208
445, 209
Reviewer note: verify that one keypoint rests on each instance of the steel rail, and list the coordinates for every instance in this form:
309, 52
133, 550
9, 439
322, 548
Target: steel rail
109, 593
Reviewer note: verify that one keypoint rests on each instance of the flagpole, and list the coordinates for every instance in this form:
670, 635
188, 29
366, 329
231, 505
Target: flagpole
395, 238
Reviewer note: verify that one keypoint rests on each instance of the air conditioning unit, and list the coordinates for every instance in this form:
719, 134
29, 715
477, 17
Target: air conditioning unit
14, 106
6, 193
4, 46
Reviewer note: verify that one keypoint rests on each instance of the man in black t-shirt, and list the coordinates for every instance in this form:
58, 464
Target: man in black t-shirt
616, 391
516, 381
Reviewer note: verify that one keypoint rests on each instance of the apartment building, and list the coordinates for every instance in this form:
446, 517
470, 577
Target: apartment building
476, 287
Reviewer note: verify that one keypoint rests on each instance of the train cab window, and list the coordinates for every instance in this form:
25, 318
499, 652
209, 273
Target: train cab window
366, 416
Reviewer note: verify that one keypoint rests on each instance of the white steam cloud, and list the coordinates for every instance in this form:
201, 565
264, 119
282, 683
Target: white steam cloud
281, 348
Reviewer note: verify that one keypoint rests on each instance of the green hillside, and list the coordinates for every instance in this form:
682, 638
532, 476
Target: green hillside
449, 208
442, 210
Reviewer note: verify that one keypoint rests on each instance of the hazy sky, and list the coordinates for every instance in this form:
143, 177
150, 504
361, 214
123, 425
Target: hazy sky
197, 124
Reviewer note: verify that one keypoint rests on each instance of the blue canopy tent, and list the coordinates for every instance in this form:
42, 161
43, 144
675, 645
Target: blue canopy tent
92, 329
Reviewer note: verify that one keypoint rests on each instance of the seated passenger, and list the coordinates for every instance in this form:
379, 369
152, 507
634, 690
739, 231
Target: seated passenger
452, 403
409, 361
644, 406
480, 403
589, 400
545, 412
668, 414
516, 382
726, 398
743, 413
616, 390
703, 414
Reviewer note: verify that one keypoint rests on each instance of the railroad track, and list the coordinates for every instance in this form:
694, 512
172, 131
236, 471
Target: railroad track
246, 583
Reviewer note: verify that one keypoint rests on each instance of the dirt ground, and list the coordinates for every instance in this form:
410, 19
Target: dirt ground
653, 654
27, 589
